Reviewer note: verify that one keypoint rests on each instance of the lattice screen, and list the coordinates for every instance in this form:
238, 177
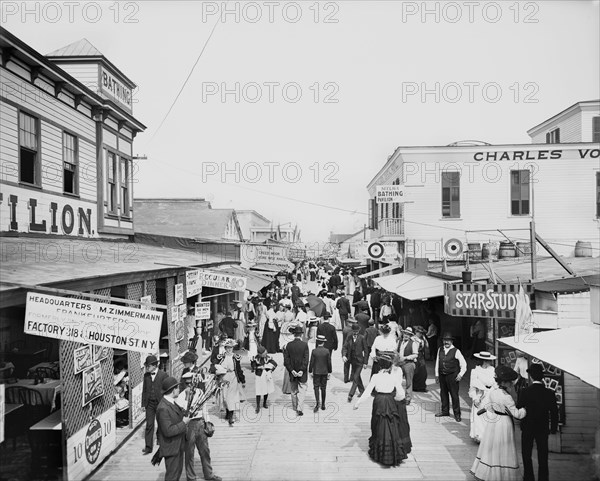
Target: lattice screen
74, 415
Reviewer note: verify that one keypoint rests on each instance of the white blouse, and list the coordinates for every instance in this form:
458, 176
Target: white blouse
384, 382
382, 343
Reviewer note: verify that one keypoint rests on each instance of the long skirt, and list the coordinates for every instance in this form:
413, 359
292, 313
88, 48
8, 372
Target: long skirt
385, 444
497, 458
264, 384
404, 427
286, 387
232, 392
420, 376
478, 423
270, 339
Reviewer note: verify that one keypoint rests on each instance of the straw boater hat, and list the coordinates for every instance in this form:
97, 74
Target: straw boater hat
409, 331
321, 338
505, 374
229, 343
486, 356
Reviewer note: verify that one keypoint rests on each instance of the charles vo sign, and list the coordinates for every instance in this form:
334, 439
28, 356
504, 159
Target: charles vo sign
88, 447
385, 194
482, 300
222, 281
91, 322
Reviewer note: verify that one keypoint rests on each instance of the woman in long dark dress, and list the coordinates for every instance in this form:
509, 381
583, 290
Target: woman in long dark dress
270, 338
420, 376
385, 444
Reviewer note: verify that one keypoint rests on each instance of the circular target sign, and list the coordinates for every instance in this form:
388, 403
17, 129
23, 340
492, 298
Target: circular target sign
376, 250
453, 247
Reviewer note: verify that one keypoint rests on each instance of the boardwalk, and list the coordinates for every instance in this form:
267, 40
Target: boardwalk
330, 445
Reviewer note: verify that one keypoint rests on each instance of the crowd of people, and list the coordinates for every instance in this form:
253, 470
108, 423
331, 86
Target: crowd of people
375, 333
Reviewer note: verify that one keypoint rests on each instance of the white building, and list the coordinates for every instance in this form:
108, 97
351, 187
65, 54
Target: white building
469, 191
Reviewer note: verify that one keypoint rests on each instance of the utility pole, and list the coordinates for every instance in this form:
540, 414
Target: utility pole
532, 230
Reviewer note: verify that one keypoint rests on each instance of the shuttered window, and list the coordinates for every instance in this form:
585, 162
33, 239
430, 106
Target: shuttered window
553, 137
596, 129
451, 194
519, 192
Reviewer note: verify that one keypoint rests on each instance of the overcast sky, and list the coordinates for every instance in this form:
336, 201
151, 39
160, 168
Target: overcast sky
307, 100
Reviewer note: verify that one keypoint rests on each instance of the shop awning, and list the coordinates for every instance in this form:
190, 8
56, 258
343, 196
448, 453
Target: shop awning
412, 286
270, 267
381, 270
564, 349
254, 280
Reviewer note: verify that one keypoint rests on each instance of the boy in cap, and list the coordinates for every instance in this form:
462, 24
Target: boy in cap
320, 370
172, 427
151, 396
542, 411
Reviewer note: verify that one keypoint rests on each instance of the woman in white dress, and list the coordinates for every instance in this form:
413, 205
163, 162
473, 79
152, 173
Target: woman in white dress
263, 365
482, 380
234, 378
261, 314
497, 458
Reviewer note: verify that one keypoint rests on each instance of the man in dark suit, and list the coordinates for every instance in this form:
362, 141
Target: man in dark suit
295, 360
375, 302
355, 353
343, 306
172, 426
320, 369
542, 413
151, 396
363, 320
328, 330
347, 332
228, 325
370, 334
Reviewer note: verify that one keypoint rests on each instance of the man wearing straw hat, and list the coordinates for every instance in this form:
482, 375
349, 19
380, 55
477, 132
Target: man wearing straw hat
320, 370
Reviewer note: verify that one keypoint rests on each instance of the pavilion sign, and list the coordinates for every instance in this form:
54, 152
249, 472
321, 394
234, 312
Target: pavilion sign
482, 300
80, 320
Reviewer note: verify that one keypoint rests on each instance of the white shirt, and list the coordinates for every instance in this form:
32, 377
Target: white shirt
458, 355
383, 344
384, 382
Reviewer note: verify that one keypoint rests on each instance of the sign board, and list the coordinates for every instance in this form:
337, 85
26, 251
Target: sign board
89, 446
222, 281
386, 194
482, 300
83, 358
145, 302
114, 89
182, 312
174, 313
179, 298
193, 286
202, 310
80, 320
265, 254
92, 384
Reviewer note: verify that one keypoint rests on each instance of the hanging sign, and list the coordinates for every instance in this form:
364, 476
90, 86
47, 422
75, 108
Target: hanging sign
222, 281
202, 310
193, 286
179, 299
387, 194
482, 300
90, 322
92, 384
145, 302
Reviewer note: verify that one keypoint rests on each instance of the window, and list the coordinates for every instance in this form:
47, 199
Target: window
70, 162
553, 137
29, 170
519, 192
451, 194
111, 170
596, 129
124, 180
597, 194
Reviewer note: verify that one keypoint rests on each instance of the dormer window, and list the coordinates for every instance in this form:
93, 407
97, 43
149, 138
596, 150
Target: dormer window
553, 137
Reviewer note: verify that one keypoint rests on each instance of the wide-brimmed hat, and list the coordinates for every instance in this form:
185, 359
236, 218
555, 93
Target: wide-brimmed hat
385, 328
486, 356
229, 343
505, 374
150, 360
321, 338
190, 357
447, 335
169, 383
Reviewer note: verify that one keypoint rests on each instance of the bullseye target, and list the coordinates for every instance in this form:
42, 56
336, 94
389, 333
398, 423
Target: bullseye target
453, 247
376, 250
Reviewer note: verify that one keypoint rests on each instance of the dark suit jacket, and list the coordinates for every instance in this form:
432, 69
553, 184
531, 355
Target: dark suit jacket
542, 410
375, 298
328, 330
370, 334
171, 428
356, 352
227, 326
343, 305
295, 358
320, 361
155, 386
